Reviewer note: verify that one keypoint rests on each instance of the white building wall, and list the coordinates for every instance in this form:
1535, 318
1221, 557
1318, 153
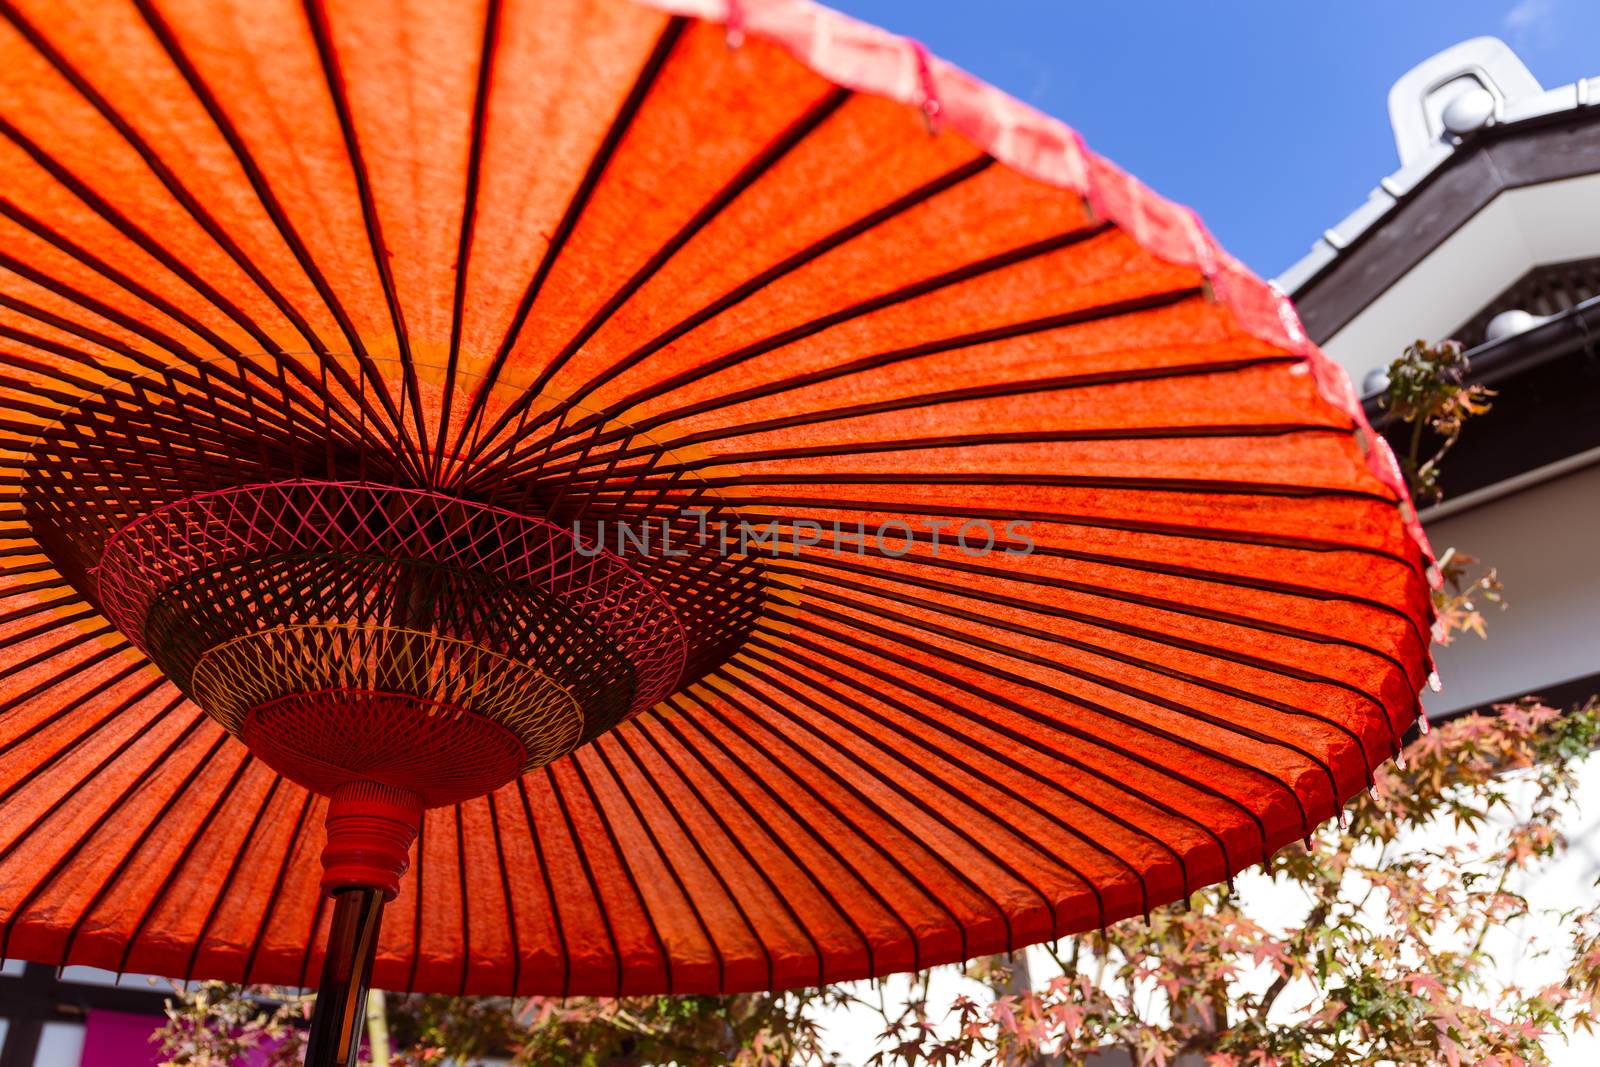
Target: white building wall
1545, 543
60, 1045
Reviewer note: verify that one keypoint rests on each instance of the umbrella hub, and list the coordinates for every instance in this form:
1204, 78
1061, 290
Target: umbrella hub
368, 637
333, 740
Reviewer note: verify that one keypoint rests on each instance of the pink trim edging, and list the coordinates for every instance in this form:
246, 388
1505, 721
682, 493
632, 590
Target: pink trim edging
867, 59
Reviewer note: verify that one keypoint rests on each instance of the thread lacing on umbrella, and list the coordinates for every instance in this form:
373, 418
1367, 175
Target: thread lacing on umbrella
932, 109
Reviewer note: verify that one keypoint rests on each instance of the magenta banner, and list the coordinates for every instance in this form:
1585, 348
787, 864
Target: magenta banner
118, 1039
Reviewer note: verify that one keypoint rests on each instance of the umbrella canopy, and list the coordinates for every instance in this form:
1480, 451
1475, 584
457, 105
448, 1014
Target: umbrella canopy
780, 509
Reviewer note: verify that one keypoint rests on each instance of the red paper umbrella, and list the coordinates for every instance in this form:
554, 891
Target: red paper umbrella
726, 499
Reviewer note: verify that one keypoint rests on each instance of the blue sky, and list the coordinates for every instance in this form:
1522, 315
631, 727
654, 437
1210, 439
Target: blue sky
1267, 117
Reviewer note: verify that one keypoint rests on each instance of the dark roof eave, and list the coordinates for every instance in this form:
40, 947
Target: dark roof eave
1534, 151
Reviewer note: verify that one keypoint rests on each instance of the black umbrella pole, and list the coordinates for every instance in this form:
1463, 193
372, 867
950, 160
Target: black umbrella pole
341, 1008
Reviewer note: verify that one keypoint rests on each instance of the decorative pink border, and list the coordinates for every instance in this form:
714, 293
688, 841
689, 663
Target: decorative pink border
868, 59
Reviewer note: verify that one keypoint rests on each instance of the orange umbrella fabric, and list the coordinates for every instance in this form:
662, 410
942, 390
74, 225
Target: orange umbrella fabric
621, 260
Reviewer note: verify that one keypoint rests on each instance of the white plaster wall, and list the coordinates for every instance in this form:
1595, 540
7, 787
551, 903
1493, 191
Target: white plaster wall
60, 1045
1545, 542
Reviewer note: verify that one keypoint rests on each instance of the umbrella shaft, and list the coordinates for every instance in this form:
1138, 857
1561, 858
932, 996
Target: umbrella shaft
341, 1006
